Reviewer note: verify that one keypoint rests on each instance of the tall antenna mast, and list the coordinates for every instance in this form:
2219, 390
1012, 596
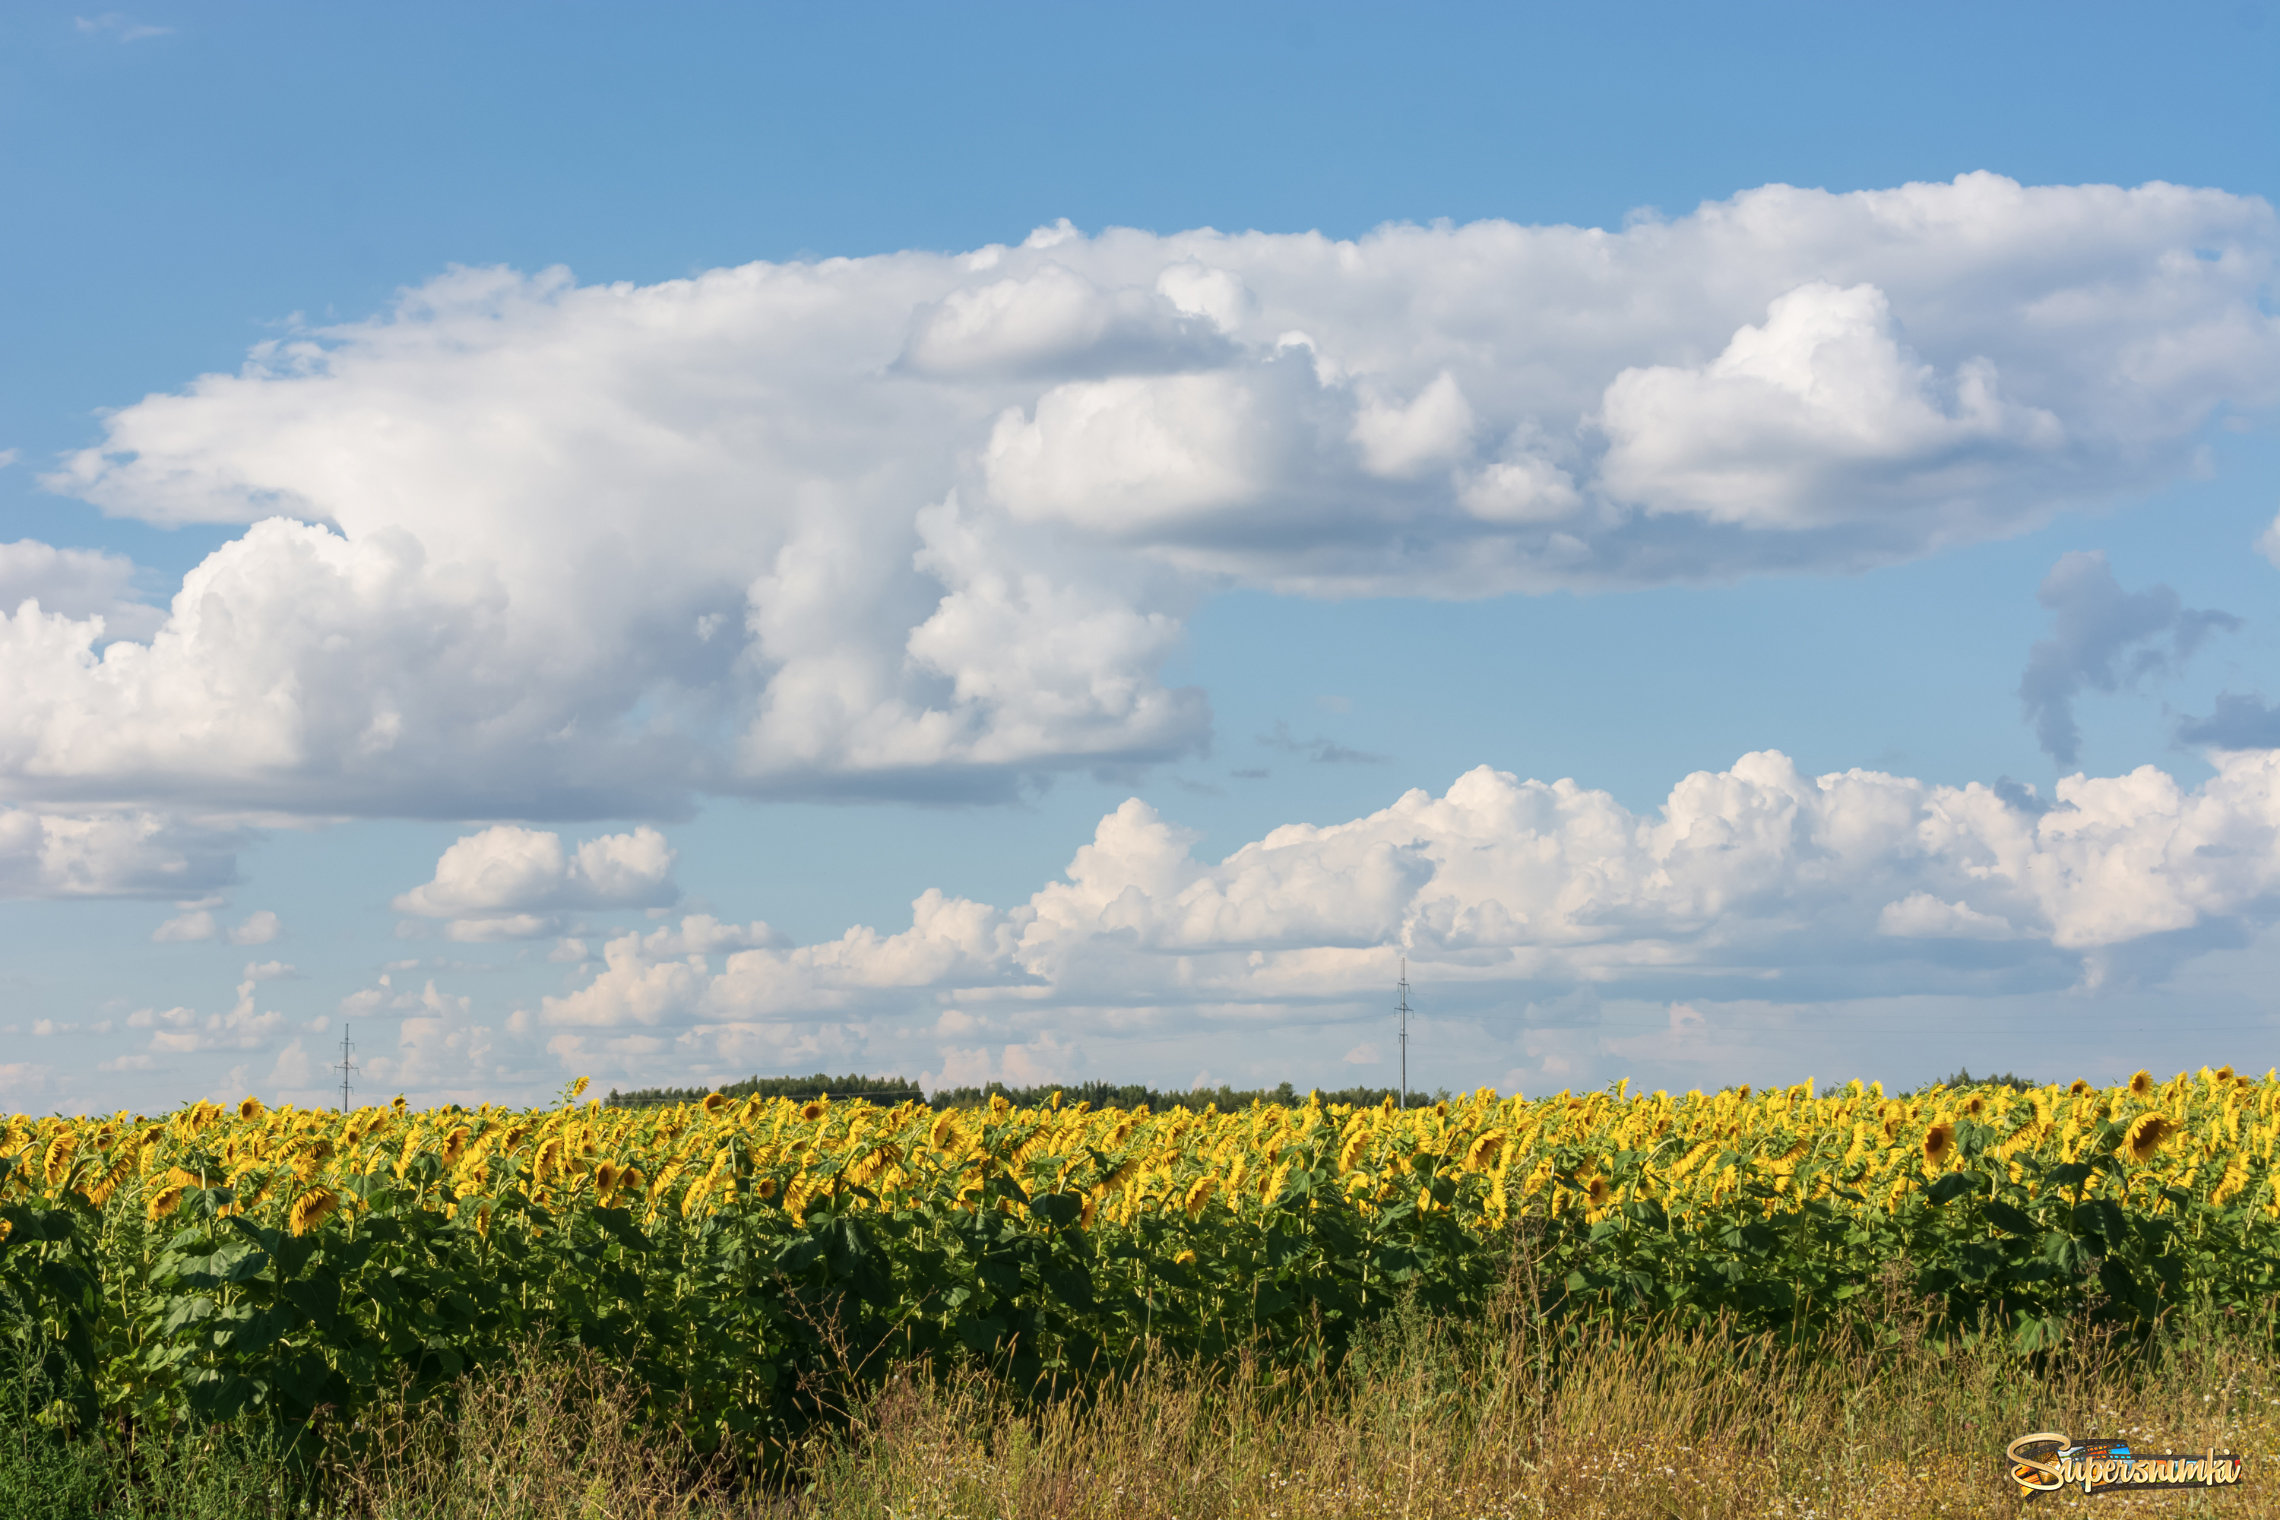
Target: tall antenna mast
347, 1066
1405, 1033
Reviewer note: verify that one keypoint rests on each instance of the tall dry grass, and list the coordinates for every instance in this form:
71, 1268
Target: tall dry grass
1428, 1419
1614, 1425
551, 1435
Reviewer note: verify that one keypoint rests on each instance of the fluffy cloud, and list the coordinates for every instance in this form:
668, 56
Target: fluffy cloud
2241, 720
124, 853
197, 922
923, 524
1753, 881
1817, 417
509, 883
2104, 638
76, 583
179, 1031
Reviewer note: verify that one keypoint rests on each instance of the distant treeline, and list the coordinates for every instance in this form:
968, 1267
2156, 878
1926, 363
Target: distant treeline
877, 1089
885, 1090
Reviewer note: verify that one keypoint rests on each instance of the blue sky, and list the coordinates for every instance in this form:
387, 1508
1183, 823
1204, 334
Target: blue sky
1516, 500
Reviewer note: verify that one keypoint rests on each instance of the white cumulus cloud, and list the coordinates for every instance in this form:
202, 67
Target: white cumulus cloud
925, 525
1746, 881
114, 853
76, 583
508, 882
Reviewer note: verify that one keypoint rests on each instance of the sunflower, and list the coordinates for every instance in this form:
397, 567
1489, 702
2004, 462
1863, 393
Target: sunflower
61, 1151
2141, 1085
98, 1190
2225, 1074
2077, 1088
2146, 1135
312, 1159
812, 1111
715, 1102
1939, 1140
249, 1109
312, 1209
167, 1199
1599, 1190
1482, 1151
1198, 1194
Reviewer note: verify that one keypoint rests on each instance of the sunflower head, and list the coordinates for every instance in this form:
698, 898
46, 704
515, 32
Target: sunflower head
812, 1111
1975, 1106
2225, 1074
2078, 1088
249, 1108
2141, 1085
312, 1209
1939, 1142
312, 1159
2145, 1136
61, 1149
1599, 1190
606, 1178
715, 1102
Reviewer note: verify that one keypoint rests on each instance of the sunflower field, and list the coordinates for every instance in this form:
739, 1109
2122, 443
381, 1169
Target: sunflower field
752, 1259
